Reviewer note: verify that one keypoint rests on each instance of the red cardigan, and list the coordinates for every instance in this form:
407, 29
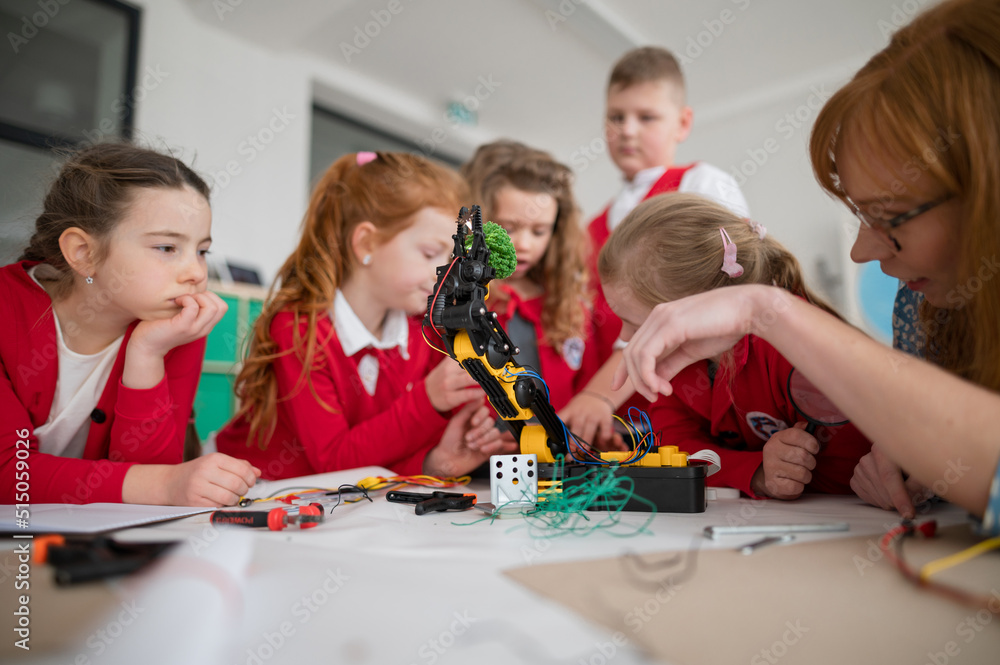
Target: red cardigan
737, 420
140, 426
394, 428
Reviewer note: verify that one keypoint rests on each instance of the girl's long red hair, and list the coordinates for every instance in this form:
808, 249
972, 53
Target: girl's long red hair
387, 192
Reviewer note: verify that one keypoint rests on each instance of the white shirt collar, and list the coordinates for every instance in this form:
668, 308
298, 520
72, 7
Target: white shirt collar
646, 178
354, 336
633, 193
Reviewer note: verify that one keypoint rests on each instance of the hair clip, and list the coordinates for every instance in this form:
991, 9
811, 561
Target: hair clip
757, 227
729, 264
365, 157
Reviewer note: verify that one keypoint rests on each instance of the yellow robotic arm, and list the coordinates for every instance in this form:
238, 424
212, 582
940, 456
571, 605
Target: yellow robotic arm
471, 335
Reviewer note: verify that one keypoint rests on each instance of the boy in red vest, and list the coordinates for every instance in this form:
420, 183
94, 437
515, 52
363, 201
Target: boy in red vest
647, 117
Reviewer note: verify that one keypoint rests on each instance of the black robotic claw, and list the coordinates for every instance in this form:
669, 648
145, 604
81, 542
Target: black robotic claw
473, 337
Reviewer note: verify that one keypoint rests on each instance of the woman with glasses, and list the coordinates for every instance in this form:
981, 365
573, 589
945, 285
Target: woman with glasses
912, 146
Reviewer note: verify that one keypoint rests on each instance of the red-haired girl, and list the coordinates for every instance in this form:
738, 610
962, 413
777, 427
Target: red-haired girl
338, 374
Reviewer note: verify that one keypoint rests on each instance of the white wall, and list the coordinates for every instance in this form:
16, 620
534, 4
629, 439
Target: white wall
763, 141
214, 93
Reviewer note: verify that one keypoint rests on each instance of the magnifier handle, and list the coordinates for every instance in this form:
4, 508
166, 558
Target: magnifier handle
811, 428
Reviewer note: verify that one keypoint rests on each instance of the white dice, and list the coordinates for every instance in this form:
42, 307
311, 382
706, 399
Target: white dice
513, 480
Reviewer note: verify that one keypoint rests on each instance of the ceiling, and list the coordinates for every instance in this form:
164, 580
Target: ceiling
547, 60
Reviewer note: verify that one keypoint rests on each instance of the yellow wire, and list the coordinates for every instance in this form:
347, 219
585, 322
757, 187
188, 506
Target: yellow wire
442, 352
627, 427
378, 482
946, 562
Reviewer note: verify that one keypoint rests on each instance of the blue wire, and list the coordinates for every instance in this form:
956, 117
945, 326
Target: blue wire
644, 422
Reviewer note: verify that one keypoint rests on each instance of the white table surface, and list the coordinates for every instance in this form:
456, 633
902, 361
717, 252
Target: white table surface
376, 583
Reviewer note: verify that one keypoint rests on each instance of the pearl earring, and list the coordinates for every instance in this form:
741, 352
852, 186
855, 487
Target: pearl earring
90, 280
367, 259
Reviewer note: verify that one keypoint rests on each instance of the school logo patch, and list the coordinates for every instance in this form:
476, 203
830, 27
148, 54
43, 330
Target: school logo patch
368, 371
572, 352
764, 425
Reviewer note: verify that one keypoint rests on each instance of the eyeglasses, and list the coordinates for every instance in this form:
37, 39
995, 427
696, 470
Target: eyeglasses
884, 227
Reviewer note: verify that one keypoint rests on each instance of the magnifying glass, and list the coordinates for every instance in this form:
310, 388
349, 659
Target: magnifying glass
814, 406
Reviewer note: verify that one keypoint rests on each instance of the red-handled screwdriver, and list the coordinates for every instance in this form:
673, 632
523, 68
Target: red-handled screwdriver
306, 517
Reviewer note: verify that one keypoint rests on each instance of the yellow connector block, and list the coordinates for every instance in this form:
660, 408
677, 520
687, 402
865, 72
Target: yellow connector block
667, 452
679, 459
649, 459
616, 456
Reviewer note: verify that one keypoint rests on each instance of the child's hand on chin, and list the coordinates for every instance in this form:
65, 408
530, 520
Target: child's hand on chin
198, 315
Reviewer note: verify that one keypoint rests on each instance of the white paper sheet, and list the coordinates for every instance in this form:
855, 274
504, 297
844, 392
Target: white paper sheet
90, 517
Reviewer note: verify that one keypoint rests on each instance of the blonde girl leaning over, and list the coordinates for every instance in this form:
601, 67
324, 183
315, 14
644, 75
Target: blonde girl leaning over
736, 403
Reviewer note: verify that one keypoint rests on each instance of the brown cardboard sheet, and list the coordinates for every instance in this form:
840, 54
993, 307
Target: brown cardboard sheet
833, 601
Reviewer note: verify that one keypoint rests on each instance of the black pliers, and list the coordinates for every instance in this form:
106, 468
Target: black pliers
433, 502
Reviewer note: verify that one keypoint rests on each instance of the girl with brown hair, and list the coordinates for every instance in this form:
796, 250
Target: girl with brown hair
106, 313
544, 305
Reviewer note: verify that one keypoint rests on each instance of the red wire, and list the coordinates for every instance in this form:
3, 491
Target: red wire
430, 313
927, 529
437, 293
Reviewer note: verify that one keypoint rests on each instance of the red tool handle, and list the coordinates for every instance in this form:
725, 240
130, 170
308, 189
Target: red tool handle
277, 519
240, 517
307, 517
311, 515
